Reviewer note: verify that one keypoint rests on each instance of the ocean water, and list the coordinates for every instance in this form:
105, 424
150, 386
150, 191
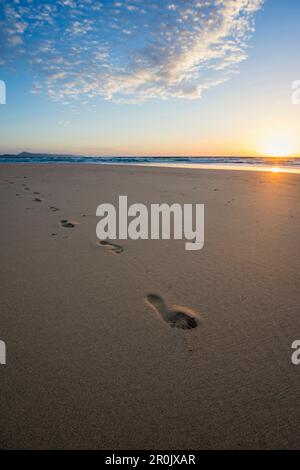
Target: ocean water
278, 164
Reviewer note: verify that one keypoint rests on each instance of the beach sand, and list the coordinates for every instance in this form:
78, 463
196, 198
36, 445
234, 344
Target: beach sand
92, 364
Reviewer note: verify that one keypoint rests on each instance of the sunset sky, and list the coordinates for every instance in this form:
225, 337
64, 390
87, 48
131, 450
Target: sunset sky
150, 77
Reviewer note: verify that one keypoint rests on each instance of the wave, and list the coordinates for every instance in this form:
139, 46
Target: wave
26, 157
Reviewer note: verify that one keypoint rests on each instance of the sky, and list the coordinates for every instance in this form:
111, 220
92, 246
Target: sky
150, 77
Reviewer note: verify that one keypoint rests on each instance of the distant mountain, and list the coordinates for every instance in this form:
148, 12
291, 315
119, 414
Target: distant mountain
40, 155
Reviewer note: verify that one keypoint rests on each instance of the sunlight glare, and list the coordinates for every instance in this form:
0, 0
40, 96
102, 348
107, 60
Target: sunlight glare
278, 145
275, 169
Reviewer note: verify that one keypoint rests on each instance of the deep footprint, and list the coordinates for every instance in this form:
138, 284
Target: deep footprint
117, 249
175, 318
67, 223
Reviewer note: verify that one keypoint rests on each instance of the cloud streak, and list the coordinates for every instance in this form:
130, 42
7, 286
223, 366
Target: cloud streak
130, 50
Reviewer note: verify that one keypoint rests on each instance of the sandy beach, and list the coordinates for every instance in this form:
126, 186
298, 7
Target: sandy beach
92, 365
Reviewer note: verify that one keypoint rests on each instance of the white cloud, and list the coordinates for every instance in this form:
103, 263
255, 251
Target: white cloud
14, 40
64, 123
133, 50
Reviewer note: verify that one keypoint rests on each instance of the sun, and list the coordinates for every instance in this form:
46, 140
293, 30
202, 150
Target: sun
276, 169
278, 145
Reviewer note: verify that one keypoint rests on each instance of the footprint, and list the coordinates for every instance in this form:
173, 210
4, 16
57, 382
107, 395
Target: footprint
53, 209
37, 199
117, 249
176, 318
68, 223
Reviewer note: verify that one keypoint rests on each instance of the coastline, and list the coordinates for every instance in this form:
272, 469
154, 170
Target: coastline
275, 164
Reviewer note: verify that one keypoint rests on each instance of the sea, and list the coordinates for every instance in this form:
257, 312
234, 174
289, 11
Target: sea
274, 164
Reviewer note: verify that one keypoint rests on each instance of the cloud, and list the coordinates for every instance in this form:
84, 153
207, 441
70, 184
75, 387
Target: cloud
130, 51
64, 123
14, 40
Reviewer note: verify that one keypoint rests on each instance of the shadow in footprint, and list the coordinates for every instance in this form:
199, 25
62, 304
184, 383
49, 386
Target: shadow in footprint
68, 223
37, 199
114, 248
175, 318
53, 209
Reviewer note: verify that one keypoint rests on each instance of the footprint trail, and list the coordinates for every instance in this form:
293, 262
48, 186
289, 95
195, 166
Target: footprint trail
176, 318
68, 223
117, 249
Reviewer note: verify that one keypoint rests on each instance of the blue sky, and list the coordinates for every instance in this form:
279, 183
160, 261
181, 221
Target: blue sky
147, 77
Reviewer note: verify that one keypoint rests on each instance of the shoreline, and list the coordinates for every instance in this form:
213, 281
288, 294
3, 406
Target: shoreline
273, 168
193, 167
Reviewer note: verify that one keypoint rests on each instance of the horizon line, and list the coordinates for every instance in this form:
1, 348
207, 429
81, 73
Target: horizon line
25, 152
